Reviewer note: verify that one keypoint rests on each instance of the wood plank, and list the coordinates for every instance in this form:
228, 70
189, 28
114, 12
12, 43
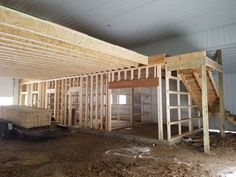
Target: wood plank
26, 117
185, 61
167, 74
205, 109
212, 80
96, 102
221, 95
159, 103
214, 65
150, 82
91, 101
156, 59
101, 102
81, 103
109, 103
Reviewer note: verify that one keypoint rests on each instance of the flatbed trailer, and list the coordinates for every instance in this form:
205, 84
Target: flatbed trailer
8, 130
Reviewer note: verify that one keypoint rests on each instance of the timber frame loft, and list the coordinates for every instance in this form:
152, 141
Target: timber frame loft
107, 80
88, 100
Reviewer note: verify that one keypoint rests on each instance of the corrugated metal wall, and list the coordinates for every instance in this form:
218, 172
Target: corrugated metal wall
223, 38
218, 38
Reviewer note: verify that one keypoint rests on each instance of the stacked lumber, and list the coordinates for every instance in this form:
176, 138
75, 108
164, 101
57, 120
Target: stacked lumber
26, 117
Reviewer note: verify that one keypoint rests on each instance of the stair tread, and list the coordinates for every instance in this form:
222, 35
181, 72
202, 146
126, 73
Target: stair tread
193, 83
232, 115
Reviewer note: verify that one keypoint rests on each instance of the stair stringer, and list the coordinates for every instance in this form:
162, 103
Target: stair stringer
213, 93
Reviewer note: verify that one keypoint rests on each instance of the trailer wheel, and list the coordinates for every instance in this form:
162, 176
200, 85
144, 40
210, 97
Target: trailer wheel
3, 130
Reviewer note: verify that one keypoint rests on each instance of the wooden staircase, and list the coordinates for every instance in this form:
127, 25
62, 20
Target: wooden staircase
192, 81
231, 118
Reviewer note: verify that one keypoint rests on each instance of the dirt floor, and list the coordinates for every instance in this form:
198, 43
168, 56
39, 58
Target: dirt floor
150, 130
83, 155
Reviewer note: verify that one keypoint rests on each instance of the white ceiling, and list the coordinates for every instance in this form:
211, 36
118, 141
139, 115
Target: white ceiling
131, 22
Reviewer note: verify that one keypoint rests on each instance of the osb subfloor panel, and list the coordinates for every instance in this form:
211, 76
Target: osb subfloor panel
149, 130
78, 155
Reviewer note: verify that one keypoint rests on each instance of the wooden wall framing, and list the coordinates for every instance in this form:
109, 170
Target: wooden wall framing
179, 107
84, 100
87, 100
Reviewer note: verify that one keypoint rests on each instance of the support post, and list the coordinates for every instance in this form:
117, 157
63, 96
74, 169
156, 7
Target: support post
178, 103
159, 104
167, 75
109, 103
70, 109
101, 102
96, 103
205, 109
86, 103
91, 101
81, 102
55, 107
46, 97
221, 94
132, 106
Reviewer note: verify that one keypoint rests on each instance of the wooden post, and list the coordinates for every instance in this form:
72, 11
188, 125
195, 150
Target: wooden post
28, 88
205, 109
55, 101
96, 101
46, 97
190, 113
221, 94
142, 104
109, 103
179, 104
91, 101
81, 103
65, 102
159, 104
101, 102
70, 109
132, 106
86, 103
167, 74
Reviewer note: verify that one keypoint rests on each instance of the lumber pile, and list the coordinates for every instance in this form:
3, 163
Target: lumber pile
26, 117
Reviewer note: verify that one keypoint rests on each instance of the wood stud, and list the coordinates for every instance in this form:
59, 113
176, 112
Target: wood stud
94, 98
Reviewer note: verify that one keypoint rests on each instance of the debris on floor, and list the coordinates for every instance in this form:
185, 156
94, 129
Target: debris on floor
227, 172
131, 152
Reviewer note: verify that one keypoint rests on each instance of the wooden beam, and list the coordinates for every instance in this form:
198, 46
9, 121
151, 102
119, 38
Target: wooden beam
109, 103
149, 82
213, 82
156, 59
214, 65
159, 104
42, 37
221, 95
81, 102
185, 61
86, 102
167, 75
101, 101
91, 101
205, 109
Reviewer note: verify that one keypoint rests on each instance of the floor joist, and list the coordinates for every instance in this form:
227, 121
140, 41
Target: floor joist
28, 40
